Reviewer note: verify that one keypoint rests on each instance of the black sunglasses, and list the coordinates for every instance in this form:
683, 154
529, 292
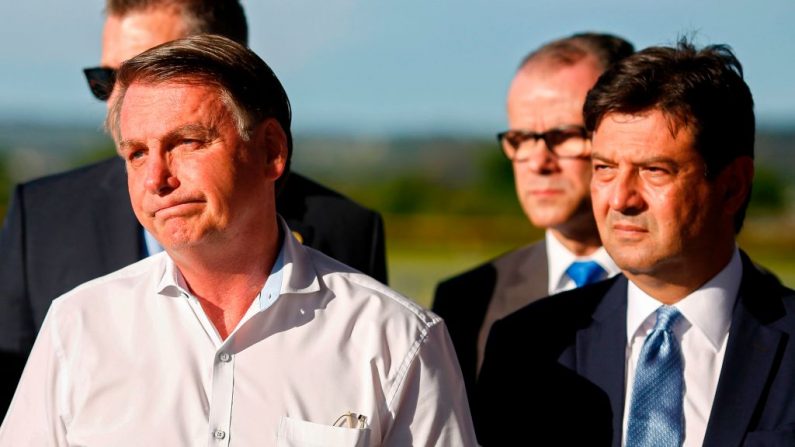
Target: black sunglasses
100, 81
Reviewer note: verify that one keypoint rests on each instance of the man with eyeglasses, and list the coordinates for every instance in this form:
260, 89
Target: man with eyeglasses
549, 148
691, 345
66, 229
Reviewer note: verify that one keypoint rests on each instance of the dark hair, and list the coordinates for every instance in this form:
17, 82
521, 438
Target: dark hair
702, 90
606, 48
223, 17
245, 82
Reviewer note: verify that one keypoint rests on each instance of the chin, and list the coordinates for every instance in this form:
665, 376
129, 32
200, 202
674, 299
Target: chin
550, 219
638, 264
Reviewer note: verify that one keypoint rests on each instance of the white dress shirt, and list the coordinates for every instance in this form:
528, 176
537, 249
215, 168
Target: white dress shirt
131, 359
559, 258
702, 333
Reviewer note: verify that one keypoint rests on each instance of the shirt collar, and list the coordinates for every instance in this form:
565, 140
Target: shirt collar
150, 243
289, 274
559, 258
708, 308
273, 285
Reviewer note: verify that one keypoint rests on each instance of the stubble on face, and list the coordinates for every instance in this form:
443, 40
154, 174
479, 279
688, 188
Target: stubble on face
658, 215
192, 178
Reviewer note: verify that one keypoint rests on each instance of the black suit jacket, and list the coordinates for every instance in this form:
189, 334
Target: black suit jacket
68, 228
471, 302
561, 362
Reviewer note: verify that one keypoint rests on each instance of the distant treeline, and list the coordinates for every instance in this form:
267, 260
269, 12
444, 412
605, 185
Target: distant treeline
399, 176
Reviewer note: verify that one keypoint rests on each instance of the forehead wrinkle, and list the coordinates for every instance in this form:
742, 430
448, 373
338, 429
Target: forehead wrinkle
212, 108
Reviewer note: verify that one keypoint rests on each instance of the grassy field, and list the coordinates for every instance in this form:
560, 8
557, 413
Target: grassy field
424, 249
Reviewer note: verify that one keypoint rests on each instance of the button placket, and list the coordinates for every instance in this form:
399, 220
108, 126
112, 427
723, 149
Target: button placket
222, 396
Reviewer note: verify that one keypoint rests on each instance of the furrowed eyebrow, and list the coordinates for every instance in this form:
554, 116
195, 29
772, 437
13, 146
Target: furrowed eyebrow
659, 160
126, 144
195, 130
599, 157
642, 163
203, 132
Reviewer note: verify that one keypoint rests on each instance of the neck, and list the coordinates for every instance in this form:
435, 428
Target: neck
673, 281
226, 277
581, 242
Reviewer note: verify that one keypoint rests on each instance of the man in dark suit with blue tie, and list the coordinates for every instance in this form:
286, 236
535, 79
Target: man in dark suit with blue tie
548, 147
68, 228
691, 345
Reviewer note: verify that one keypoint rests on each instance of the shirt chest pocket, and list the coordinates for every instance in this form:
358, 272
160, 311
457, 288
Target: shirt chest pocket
298, 433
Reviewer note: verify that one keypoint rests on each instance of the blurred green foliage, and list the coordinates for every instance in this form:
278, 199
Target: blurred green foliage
484, 188
769, 193
94, 154
449, 204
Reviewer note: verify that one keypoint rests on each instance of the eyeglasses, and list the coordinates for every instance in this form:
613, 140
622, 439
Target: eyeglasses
100, 81
565, 141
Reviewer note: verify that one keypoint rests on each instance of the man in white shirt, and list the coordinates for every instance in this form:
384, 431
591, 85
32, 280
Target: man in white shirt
237, 334
67, 228
548, 147
692, 345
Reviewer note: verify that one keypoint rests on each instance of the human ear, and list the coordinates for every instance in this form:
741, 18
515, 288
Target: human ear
270, 136
737, 178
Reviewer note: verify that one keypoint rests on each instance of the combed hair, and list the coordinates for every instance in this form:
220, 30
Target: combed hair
245, 82
606, 48
223, 17
702, 90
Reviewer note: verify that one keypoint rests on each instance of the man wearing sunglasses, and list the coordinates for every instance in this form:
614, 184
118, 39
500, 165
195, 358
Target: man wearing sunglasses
69, 228
549, 149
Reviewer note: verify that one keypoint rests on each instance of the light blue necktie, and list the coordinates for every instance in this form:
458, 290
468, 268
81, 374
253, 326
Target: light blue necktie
585, 272
656, 416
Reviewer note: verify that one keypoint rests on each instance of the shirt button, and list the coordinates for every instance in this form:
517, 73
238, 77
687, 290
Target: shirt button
225, 357
219, 434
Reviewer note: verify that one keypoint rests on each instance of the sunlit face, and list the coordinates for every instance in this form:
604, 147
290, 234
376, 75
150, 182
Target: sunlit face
129, 35
554, 192
656, 211
192, 178
124, 37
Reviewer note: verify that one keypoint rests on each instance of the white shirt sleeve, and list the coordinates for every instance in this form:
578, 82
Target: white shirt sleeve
34, 416
431, 407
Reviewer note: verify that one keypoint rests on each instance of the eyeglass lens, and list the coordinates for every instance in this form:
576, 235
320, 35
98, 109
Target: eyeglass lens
567, 141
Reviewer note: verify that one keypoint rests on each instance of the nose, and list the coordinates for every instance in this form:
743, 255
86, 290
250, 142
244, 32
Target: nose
536, 156
625, 196
160, 179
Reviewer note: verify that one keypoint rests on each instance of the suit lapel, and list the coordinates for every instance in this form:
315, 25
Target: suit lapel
601, 350
522, 276
750, 357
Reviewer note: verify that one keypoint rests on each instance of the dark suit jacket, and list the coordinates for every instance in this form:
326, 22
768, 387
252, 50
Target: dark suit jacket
561, 361
472, 301
68, 228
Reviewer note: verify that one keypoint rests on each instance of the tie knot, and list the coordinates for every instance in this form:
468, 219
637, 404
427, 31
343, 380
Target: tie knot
666, 318
585, 272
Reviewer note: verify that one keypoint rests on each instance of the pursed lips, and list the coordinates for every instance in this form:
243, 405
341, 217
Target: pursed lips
175, 206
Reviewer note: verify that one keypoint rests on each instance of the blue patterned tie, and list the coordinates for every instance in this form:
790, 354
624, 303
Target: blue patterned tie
656, 416
585, 272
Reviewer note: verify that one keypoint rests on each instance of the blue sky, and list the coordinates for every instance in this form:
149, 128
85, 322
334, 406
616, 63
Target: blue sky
379, 67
